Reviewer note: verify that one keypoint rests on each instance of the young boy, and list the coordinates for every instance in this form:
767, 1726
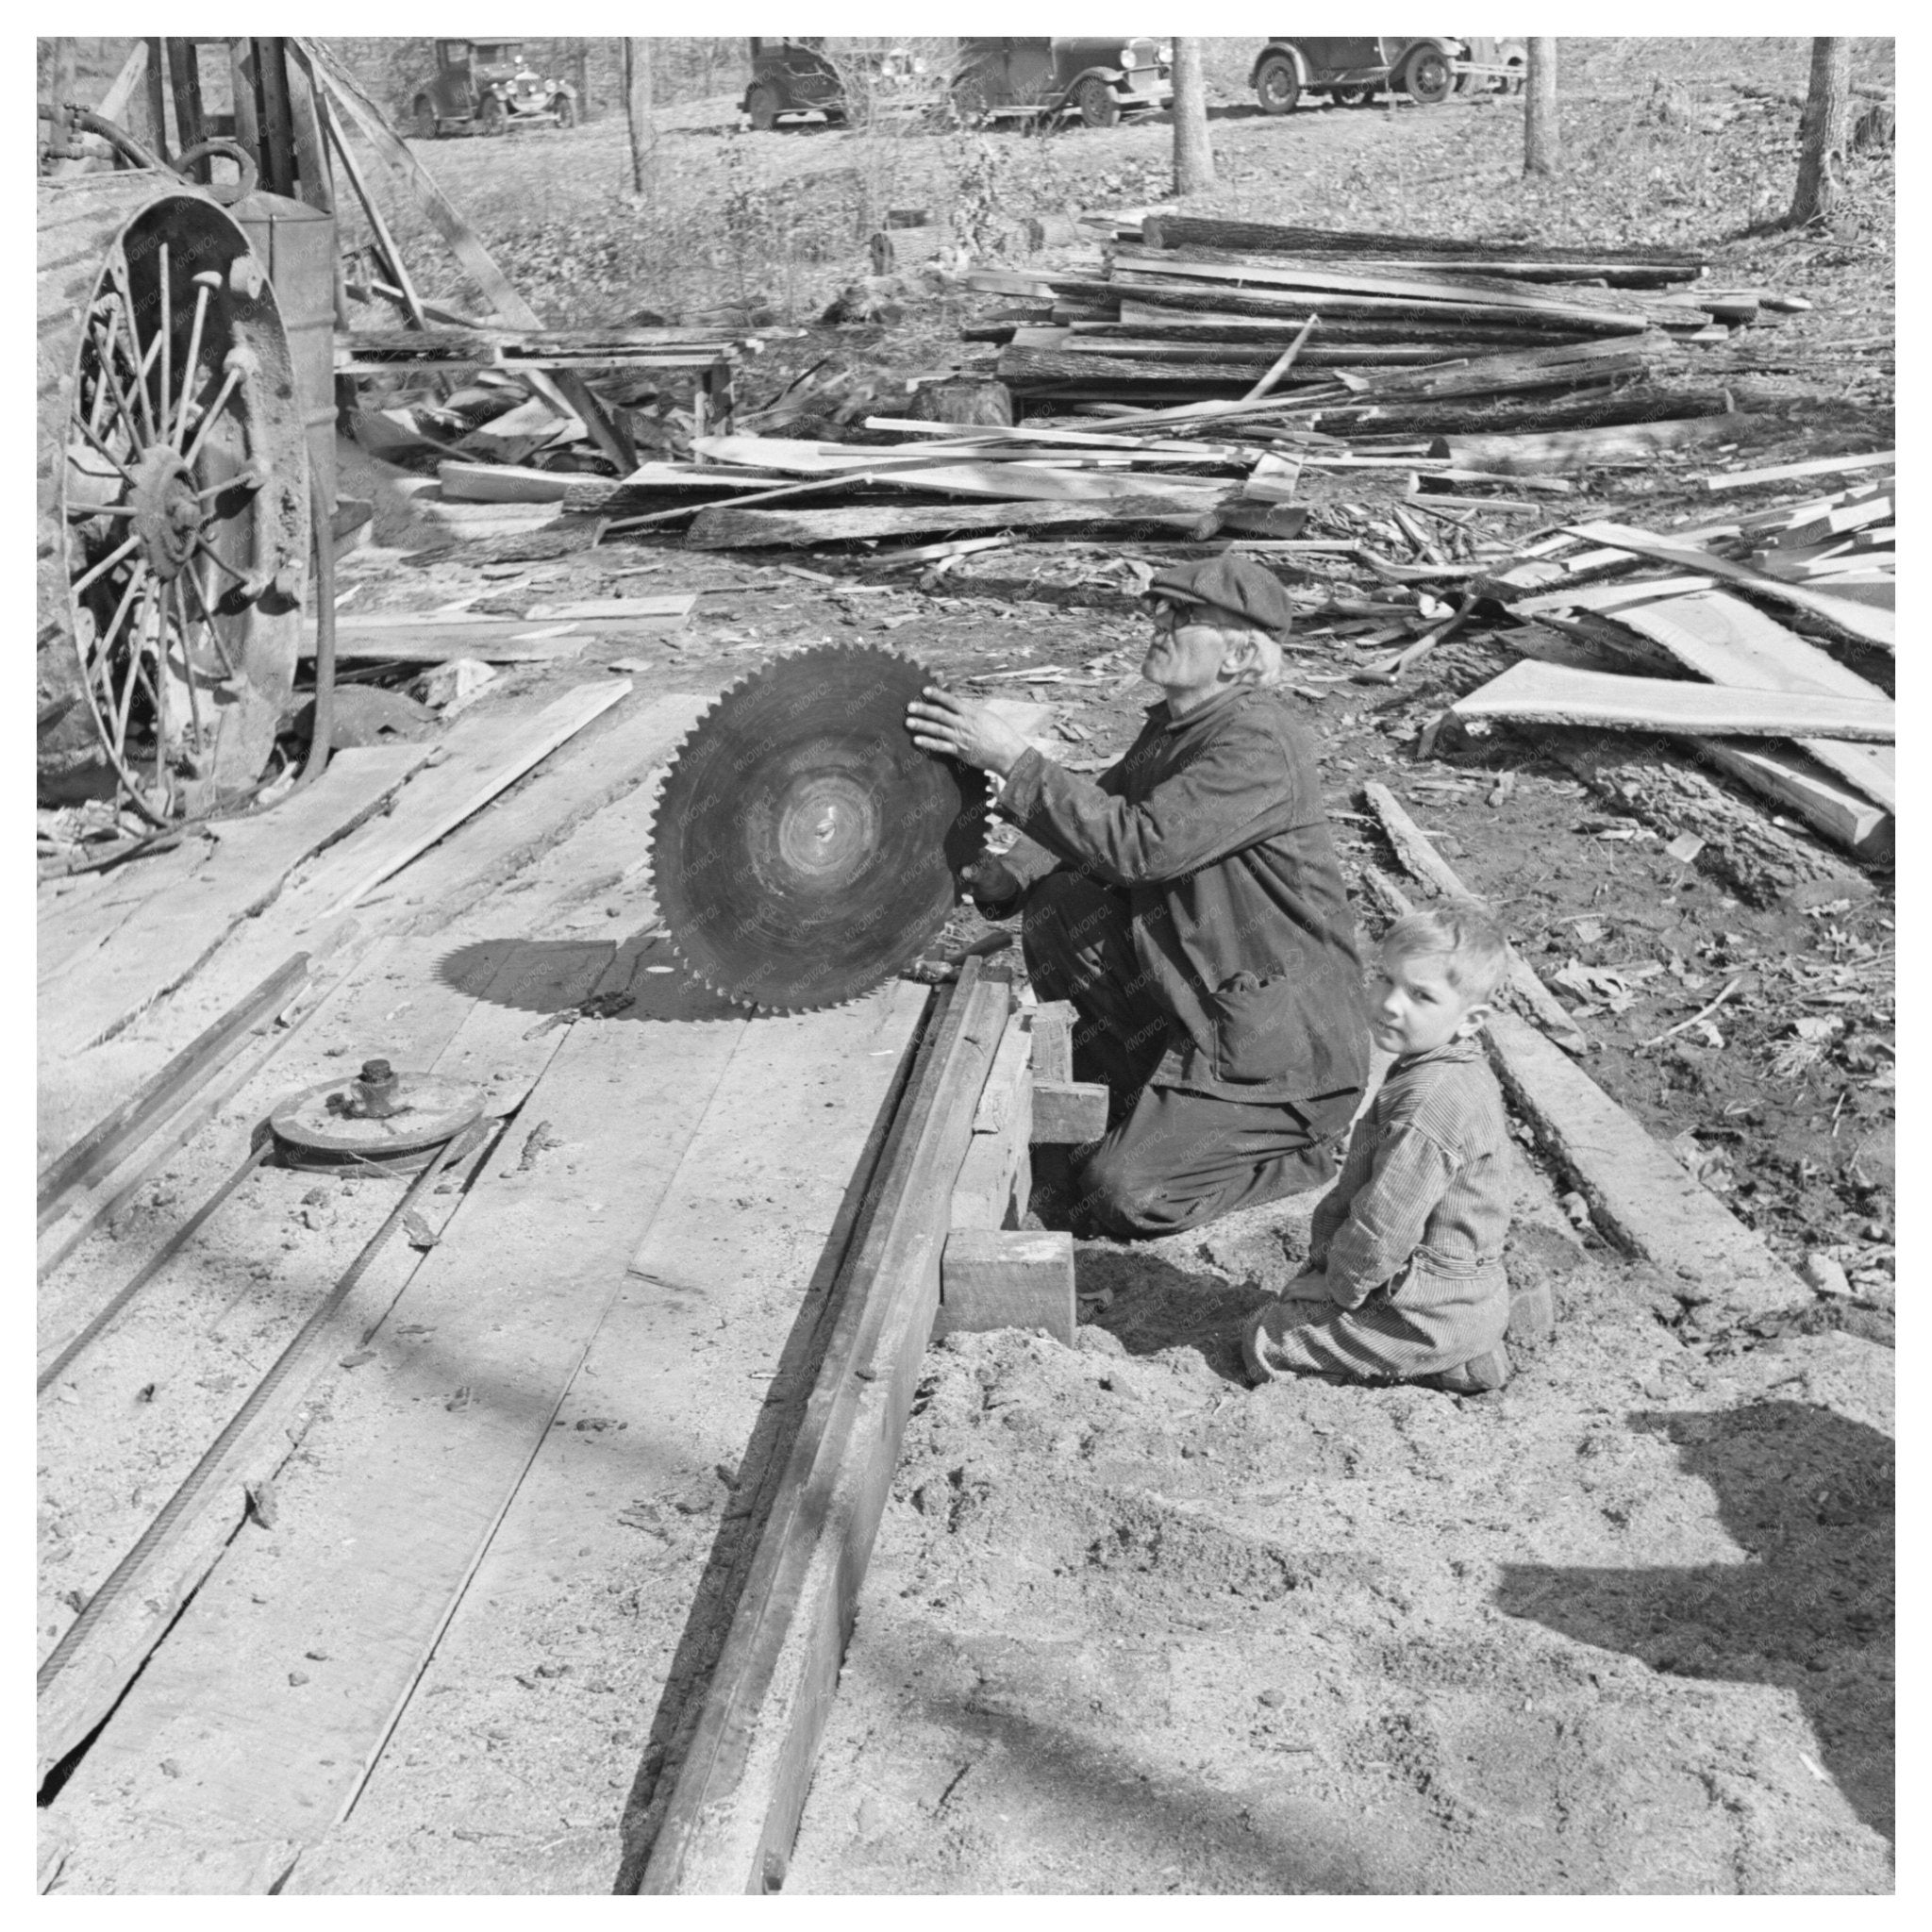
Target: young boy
1405, 1279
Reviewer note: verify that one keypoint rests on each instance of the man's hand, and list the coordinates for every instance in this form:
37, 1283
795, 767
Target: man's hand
993, 884
958, 728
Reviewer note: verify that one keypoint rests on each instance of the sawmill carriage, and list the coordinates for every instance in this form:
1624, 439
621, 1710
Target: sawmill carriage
184, 402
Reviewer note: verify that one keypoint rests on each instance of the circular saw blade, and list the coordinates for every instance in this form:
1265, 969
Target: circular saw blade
804, 848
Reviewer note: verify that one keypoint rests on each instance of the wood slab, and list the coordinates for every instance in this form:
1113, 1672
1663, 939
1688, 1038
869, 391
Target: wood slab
1873, 626
381, 1526
1728, 642
112, 959
1639, 1194
1548, 694
697, 1374
154, 1584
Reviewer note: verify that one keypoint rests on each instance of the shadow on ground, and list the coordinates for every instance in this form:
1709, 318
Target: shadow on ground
1809, 1496
639, 981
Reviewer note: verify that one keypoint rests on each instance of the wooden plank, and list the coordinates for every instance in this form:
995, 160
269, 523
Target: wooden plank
500, 750
1548, 694
1423, 861
1873, 626
1733, 645
697, 1373
518, 641
1818, 466
1531, 455
1801, 784
108, 1140
1638, 1195
1006, 1278
377, 1536
145, 956
734, 1809
83, 1680
1610, 598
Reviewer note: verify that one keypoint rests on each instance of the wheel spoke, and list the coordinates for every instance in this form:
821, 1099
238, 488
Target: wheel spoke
174, 593
208, 421
220, 563
208, 618
117, 267
104, 642
137, 670
167, 338
193, 361
119, 468
106, 565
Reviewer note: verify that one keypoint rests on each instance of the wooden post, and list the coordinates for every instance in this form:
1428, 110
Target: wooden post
1827, 119
1193, 153
1542, 143
184, 68
244, 76
158, 100
580, 74
637, 108
275, 116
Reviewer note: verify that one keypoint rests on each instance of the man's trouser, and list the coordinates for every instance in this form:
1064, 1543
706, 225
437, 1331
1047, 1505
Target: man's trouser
1170, 1159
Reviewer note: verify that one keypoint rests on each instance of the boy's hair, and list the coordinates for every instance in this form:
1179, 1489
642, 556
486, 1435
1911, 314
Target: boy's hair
1464, 934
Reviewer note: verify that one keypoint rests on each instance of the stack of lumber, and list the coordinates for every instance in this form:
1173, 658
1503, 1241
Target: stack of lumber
1655, 638
1204, 309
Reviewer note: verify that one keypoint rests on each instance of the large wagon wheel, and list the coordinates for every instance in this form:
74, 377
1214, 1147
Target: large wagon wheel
173, 509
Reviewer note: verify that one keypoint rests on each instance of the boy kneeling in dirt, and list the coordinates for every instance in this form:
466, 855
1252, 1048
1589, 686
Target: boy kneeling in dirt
1188, 903
1405, 1278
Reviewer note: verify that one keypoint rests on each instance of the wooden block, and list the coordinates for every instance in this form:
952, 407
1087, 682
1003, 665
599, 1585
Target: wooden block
1067, 1112
1053, 1040
1006, 1278
1005, 1102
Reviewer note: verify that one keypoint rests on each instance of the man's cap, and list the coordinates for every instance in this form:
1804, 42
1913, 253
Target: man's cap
1231, 586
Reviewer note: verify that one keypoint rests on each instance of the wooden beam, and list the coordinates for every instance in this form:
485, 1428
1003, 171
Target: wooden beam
723, 527
398, 268
1549, 694
1006, 1278
1872, 626
1639, 1194
570, 391
735, 1806
1423, 861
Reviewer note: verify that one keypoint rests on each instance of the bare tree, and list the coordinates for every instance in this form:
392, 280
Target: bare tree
1826, 124
1542, 140
637, 108
1193, 154
580, 74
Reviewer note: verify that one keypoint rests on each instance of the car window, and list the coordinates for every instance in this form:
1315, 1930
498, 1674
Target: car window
455, 52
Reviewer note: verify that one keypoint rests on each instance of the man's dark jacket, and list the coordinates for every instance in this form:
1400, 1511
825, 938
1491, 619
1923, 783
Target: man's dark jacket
1213, 825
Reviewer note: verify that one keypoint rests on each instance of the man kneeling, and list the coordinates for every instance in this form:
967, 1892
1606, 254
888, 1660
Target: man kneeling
1188, 904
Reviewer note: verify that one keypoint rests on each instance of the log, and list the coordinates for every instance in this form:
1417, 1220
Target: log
1148, 319
1539, 693
722, 527
1024, 368
1578, 449
1420, 859
1184, 231
1873, 626
1451, 416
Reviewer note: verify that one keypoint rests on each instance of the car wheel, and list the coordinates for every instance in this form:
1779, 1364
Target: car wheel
1094, 101
1428, 79
761, 109
969, 104
565, 110
1277, 86
423, 118
1351, 96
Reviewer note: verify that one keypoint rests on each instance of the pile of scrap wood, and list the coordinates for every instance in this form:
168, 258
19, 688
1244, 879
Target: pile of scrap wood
1665, 635
1190, 308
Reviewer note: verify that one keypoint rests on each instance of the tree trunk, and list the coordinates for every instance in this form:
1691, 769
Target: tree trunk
1825, 125
637, 107
1543, 144
580, 74
1193, 154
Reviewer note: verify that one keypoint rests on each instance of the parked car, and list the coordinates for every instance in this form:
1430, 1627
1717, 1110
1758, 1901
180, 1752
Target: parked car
1493, 62
1354, 71
485, 86
1096, 80
793, 78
